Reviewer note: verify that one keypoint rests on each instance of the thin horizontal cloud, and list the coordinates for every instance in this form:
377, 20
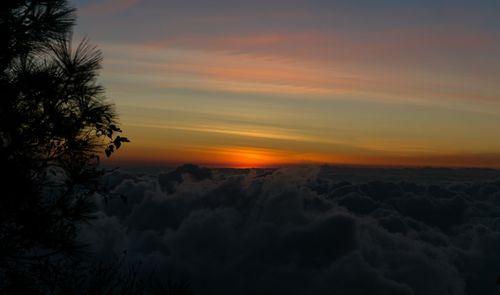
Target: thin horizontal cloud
282, 138
247, 73
405, 82
246, 132
346, 45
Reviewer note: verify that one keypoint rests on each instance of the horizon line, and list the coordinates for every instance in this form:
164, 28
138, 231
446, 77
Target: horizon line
161, 164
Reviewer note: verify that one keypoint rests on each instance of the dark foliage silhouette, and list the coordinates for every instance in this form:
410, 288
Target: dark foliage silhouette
54, 124
120, 277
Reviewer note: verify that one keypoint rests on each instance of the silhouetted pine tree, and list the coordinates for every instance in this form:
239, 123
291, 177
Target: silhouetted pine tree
54, 123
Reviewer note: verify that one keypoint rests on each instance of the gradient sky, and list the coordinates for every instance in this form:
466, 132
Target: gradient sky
273, 82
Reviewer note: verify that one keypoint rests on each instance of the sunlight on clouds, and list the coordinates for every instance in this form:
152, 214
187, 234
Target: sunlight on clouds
248, 157
214, 80
167, 68
323, 82
287, 136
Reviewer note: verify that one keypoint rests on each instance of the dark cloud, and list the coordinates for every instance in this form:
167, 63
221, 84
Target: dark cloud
299, 231
169, 180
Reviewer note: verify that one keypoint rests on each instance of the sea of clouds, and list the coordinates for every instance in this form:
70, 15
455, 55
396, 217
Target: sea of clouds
303, 231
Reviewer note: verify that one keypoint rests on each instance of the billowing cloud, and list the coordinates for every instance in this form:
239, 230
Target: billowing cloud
308, 230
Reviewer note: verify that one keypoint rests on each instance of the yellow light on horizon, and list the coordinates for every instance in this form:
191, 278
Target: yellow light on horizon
246, 157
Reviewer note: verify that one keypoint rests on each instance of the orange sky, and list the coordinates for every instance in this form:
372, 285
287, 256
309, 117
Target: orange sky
240, 84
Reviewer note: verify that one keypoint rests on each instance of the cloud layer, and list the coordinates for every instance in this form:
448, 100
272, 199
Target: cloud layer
306, 230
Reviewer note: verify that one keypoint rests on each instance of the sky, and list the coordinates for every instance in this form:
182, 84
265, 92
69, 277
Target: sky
272, 82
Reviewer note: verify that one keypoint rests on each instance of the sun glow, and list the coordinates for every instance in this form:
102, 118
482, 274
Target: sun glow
245, 157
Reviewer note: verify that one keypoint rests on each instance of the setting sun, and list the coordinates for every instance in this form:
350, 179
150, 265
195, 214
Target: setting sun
241, 157
250, 147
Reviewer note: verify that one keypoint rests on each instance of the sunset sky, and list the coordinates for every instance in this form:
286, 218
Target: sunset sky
272, 82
